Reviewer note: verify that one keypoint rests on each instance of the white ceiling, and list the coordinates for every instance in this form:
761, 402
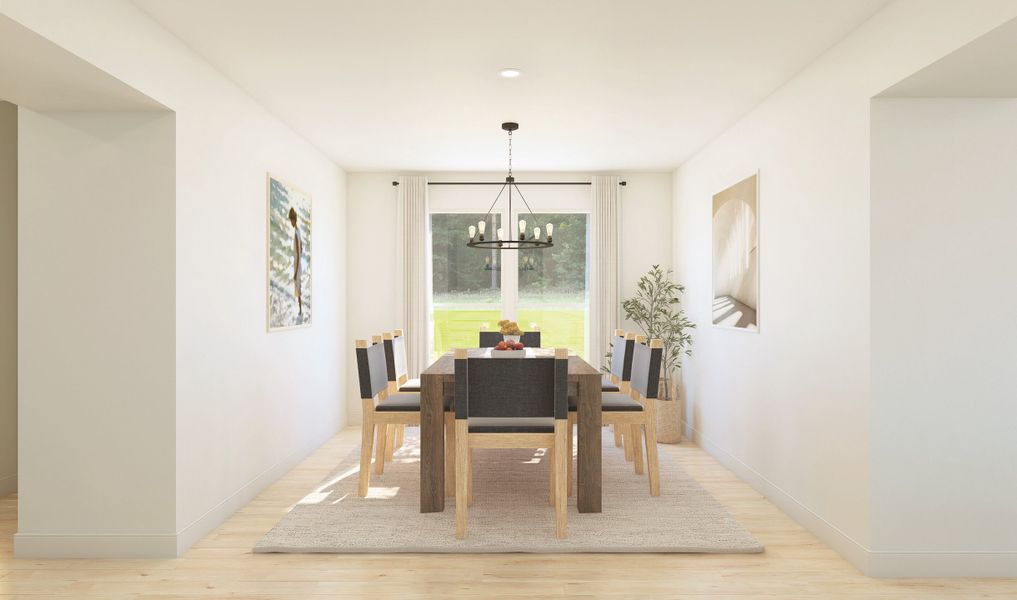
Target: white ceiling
37, 74
984, 68
413, 85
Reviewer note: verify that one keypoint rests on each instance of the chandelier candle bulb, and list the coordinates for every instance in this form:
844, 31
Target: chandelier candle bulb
473, 232
505, 240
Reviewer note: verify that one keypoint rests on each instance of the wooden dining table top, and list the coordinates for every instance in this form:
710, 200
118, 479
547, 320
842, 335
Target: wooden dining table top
445, 364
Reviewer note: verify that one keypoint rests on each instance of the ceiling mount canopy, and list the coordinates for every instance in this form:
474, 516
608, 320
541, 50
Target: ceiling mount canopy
524, 238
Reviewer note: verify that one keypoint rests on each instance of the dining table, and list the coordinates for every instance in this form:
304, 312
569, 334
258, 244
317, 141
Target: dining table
438, 380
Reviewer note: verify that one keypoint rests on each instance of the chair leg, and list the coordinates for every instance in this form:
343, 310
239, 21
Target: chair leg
469, 476
568, 453
652, 464
551, 474
390, 442
400, 436
450, 455
637, 447
462, 477
379, 458
562, 432
626, 442
366, 441
617, 436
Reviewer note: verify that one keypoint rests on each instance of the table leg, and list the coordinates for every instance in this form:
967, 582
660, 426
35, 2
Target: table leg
588, 461
432, 445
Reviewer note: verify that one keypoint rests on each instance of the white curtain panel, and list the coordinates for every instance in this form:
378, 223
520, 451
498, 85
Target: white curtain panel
415, 258
605, 309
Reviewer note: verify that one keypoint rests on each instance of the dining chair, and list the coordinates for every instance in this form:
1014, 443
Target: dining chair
621, 371
395, 356
395, 359
515, 403
634, 412
490, 339
382, 409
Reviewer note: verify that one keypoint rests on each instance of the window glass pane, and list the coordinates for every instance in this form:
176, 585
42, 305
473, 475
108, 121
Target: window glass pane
553, 282
466, 282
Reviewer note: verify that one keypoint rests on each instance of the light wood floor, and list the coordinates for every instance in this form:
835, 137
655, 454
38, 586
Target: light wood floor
795, 565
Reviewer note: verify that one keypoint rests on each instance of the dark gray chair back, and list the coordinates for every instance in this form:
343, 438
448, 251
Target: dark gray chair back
621, 357
511, 387
395, 355
490, 339
372, 370
646, 369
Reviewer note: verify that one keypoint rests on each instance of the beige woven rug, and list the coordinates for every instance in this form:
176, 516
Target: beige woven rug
510, 512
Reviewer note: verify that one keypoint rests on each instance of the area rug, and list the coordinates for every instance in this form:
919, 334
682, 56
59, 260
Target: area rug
510, 511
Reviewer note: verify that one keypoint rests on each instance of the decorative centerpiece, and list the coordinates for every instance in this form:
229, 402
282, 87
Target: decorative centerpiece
506, 349
510, 331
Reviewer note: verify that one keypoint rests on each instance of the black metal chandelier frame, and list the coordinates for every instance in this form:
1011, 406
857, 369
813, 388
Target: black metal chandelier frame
523, 240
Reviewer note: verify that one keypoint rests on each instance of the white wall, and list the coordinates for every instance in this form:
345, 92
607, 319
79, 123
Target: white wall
95, 330
248, 404
373, 308
944, 336
788, 408
8, 298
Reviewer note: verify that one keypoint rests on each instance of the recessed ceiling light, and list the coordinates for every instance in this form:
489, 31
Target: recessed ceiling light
510, 73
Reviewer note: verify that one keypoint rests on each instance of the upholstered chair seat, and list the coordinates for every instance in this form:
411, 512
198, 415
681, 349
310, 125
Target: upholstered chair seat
411, 385
511, 425
606, 385
406, 402
612, 402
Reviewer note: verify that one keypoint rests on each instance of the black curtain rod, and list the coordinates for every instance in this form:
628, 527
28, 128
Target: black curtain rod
517, 183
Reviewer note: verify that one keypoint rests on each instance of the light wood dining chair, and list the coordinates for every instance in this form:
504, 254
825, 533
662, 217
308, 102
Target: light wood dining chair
490, 339
382, 410
618, 379
398, 381
634, 412
511, 403
395, 356
621, 362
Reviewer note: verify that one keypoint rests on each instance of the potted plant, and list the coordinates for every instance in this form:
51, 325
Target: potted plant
656, 310
510, 331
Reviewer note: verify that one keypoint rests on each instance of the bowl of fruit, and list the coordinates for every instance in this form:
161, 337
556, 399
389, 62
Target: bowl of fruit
507, 349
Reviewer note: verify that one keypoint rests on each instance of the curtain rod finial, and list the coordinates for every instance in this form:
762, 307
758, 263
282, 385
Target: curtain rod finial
395, 183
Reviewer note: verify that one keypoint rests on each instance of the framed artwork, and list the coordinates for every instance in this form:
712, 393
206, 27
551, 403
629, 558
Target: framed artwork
289, 256
736, 256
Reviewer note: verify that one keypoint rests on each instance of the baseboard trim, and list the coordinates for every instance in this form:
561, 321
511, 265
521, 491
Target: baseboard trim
8, 484
169, 545
874, 563
59, 545
841, 543
942, 564
218, 514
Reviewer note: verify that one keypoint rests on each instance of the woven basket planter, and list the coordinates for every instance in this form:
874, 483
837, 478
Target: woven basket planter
669, 425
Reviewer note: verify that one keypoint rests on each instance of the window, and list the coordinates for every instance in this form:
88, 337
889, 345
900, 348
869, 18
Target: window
466, 283
473, 289
553, 284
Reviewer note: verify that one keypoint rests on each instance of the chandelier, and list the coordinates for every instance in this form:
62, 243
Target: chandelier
524, 239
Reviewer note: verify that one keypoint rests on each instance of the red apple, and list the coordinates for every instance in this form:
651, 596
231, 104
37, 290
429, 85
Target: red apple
519, 346
501, 346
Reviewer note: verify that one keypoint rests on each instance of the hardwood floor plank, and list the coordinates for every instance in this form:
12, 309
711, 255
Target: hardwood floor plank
795, 566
